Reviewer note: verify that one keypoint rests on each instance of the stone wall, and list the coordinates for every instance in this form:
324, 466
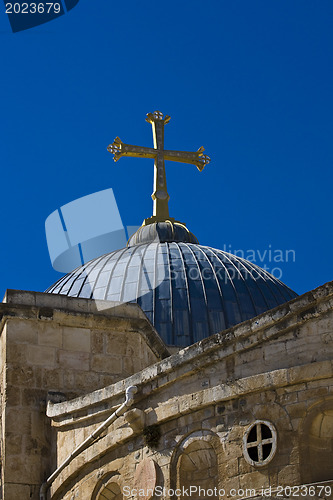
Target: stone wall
276, 368
58, 352
221, 426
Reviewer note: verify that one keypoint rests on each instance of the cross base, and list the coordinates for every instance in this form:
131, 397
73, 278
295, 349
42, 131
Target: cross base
155, 218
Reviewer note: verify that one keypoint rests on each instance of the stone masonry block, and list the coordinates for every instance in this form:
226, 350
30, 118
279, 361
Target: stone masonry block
33, 397
22, 331
24, 470
74, 360
68, 379
21, 375
310, 372
13, 443
116, 344
288, 475
274, 351
106, 364
41, 355
13, 396
16, 353
316, 393
18, 421
50, 335
128, 364
51, 378
16, 490
76, 339
107, 379
297, 410
87, 381
254, 480
97, 342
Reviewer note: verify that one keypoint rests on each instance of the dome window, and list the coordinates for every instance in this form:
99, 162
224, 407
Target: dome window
259, 443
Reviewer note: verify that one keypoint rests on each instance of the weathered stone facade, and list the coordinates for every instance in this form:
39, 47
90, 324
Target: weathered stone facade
52, 344
193, 415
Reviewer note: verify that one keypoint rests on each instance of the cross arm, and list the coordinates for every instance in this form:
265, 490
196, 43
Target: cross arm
198, 158
119, 149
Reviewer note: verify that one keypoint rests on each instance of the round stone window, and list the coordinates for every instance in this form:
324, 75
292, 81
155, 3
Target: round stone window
259, 443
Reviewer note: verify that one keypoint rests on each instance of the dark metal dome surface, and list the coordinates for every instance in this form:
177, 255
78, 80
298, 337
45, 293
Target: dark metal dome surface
162, 232
187, 291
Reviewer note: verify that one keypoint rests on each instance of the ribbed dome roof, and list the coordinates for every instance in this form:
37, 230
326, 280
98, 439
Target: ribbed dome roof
162, 232
187, 291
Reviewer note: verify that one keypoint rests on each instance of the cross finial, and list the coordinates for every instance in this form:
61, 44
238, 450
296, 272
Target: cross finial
160, 194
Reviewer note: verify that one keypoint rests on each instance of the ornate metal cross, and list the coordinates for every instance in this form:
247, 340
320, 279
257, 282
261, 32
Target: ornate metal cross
160, 194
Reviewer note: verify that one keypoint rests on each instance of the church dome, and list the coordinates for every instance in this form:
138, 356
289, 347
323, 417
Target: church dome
187, 291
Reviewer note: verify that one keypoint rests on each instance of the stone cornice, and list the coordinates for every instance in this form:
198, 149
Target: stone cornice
86, 313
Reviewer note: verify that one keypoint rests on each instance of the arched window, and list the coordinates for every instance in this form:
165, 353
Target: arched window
318, 438
110, 491
108, 487
197, 467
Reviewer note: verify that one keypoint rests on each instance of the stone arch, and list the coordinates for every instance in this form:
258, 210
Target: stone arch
195, 462
316, 443
108, 488
110, 492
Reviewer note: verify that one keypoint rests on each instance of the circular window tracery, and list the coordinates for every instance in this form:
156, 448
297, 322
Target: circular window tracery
259, 443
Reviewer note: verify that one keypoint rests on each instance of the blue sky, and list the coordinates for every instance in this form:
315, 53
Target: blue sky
251, 81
